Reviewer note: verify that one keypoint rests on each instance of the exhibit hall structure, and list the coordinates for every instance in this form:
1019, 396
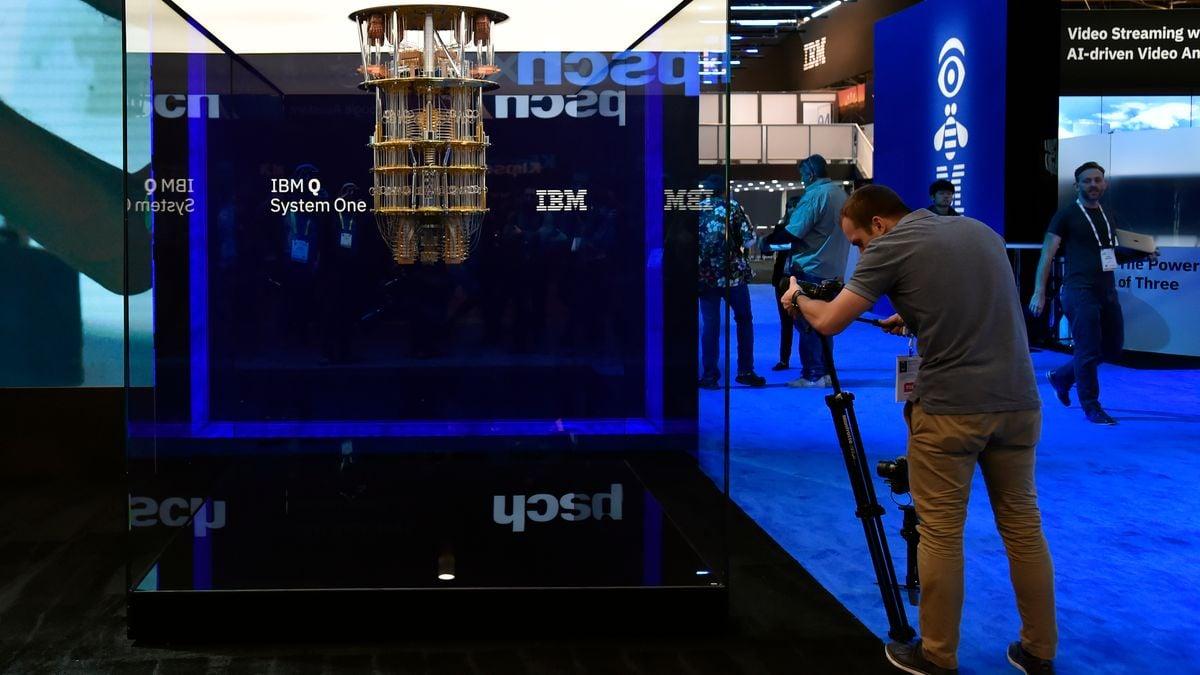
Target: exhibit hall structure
414, 362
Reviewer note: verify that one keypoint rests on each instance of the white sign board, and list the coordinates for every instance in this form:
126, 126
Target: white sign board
1161, 302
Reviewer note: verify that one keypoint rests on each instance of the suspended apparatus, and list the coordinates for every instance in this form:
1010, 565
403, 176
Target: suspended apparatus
428, 66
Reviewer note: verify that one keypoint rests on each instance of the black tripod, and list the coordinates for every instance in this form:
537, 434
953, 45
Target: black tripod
868, 510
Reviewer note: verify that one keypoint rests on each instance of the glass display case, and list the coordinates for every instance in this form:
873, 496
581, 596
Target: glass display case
424, 324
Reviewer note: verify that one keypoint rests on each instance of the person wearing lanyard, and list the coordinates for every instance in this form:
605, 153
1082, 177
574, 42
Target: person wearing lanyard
1087, 236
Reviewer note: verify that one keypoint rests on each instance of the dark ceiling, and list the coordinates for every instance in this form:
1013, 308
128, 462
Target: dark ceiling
755, 24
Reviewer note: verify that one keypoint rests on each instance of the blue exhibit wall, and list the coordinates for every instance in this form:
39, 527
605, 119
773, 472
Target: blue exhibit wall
994, 63
940, 89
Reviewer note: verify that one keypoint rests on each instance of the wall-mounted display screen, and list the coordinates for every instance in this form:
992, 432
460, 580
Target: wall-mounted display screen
62, 289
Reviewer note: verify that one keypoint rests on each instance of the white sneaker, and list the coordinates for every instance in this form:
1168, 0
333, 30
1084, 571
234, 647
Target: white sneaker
819, 383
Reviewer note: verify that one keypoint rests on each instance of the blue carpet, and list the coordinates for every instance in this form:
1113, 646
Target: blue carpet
1120, 504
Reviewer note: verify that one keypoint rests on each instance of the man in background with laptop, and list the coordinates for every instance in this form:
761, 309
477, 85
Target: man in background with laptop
1087, 236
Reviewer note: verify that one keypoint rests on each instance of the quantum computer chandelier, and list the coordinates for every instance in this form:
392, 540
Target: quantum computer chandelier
428, 66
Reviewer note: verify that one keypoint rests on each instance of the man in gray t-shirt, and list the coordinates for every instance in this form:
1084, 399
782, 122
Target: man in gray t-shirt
975, 402
950, 281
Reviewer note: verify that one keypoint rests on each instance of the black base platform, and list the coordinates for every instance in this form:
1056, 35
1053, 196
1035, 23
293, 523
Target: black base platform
384, 614
325, 545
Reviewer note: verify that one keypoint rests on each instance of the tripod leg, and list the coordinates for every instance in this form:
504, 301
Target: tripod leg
841, 406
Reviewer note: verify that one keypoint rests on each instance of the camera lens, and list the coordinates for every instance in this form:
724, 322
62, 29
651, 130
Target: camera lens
885, 468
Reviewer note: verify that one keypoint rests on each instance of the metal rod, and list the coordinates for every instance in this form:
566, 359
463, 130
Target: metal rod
429, 32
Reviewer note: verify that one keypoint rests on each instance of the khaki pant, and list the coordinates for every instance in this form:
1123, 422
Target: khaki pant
942, 453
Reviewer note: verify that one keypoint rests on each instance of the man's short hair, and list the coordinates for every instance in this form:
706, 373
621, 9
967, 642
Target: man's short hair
869, 201
816, 164
1088, 165
941, 185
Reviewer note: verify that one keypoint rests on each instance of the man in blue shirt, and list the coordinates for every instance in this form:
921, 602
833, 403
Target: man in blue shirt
820, 254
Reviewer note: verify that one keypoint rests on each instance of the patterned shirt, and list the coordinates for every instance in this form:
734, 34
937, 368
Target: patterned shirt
720, 255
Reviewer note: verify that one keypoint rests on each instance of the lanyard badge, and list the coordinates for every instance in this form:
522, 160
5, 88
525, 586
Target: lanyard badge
1108, 254
906, 376
346, 238
907, 368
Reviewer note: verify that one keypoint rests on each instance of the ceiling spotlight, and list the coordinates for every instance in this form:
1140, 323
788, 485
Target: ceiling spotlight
762, 22
771, 8
827, 8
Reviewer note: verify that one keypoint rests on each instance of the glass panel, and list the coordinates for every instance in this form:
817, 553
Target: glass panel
710, 109
787, 143
778, 108
744, 108
412, 321
746, 142
833, 142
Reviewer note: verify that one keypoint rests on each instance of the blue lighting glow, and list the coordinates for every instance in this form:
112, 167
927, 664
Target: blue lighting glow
201, 425
198, 246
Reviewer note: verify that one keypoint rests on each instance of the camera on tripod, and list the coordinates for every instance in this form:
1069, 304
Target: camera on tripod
894, 473
825, 290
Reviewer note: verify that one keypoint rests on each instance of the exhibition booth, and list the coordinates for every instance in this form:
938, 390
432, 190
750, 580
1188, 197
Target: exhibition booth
417, 329
412, 338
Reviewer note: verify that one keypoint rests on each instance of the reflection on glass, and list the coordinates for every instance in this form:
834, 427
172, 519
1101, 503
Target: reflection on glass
324, 417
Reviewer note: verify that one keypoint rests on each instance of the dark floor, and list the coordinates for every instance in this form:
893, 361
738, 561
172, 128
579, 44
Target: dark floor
62, 581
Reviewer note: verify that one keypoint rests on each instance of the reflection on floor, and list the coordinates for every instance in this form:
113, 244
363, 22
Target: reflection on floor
1120, 505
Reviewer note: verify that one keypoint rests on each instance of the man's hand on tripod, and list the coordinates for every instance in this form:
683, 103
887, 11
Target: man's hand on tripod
894, 325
